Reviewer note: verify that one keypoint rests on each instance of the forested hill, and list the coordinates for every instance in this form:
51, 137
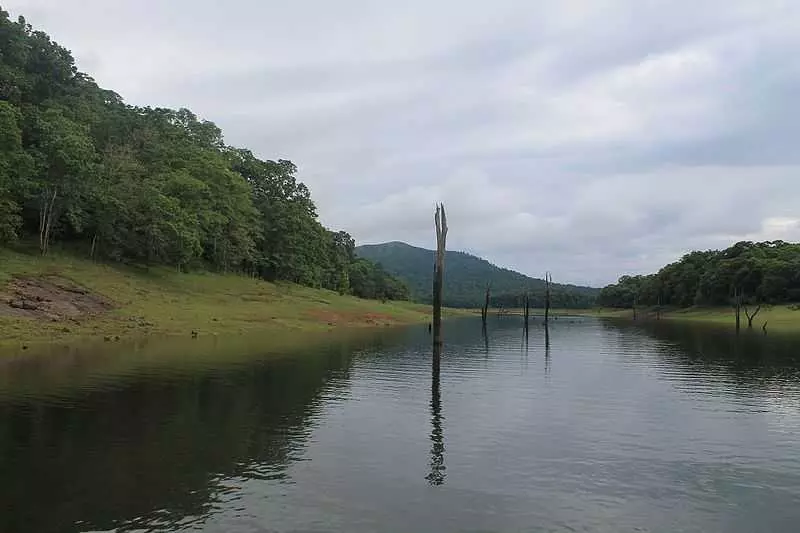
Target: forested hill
82, 170
466, 277
765, 272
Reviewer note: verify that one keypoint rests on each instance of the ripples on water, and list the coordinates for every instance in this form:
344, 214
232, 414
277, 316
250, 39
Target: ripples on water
614, 427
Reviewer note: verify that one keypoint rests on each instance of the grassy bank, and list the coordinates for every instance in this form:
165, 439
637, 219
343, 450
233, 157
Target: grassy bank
785, 318
778, 317
125, 302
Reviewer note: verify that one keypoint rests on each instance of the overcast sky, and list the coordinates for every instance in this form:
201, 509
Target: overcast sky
589, 138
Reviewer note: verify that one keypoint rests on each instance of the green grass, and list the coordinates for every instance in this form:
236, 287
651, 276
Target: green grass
162, 301
778, 317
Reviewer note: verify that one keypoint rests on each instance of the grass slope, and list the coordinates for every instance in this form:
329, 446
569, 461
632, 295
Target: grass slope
162, 301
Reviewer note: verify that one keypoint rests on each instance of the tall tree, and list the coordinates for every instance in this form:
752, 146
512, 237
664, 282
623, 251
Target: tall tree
64, 159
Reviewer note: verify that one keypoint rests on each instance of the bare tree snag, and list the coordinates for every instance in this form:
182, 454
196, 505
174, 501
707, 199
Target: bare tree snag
485, 308
527, 311
764, 328
737, 306
438, 272
548, 280
751, 316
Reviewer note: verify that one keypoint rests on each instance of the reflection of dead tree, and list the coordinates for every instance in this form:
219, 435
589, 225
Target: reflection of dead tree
547, 349
438, 273
437, 474
751, 316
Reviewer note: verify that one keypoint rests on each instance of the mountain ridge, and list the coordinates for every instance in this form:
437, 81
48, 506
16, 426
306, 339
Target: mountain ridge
466, 277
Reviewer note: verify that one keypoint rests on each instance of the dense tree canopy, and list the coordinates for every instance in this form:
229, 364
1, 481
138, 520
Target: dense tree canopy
80, 168
767, 272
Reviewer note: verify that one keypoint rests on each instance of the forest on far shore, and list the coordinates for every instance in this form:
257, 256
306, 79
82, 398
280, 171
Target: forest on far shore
765, 272
82, 170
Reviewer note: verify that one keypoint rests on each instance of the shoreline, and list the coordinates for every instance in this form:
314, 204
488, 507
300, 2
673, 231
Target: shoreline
779, 318
75, 300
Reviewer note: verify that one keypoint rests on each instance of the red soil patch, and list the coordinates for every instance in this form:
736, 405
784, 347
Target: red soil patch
333, 318
50, 298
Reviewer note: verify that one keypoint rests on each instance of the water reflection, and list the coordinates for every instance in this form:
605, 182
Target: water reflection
150, 451
438, 470
546, 351
639, 420
747, 357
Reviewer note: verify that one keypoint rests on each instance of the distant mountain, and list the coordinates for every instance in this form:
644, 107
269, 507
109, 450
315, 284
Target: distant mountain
466, 277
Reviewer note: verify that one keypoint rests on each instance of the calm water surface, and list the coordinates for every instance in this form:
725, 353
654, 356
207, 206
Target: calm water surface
615, 427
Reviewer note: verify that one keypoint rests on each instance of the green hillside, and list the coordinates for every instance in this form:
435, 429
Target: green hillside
81, 170
61, 297
466, 277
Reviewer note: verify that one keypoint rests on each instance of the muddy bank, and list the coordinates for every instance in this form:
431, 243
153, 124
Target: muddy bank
50, 298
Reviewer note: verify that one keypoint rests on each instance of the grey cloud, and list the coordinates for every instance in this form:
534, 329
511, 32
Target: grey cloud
587, 138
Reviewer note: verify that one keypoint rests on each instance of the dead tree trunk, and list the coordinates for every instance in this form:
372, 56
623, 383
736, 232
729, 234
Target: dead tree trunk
635, 303
737, 305
527, 311
548, 280
485, 308
750, 316
658, 309
438, 272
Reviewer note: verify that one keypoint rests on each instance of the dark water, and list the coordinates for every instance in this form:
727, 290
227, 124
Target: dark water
614, 428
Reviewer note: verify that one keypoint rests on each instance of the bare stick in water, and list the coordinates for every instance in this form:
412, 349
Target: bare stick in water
438, 272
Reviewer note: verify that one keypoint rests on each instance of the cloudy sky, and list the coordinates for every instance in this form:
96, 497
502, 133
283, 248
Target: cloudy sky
589, 138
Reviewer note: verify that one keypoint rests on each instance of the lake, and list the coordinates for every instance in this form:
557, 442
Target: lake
614, 427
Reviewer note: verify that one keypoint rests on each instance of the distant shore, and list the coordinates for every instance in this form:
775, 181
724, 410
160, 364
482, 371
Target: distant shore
777, 317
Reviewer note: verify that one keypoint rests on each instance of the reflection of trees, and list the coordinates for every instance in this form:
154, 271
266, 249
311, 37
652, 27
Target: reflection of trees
150, 452
749, 357
438, 470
